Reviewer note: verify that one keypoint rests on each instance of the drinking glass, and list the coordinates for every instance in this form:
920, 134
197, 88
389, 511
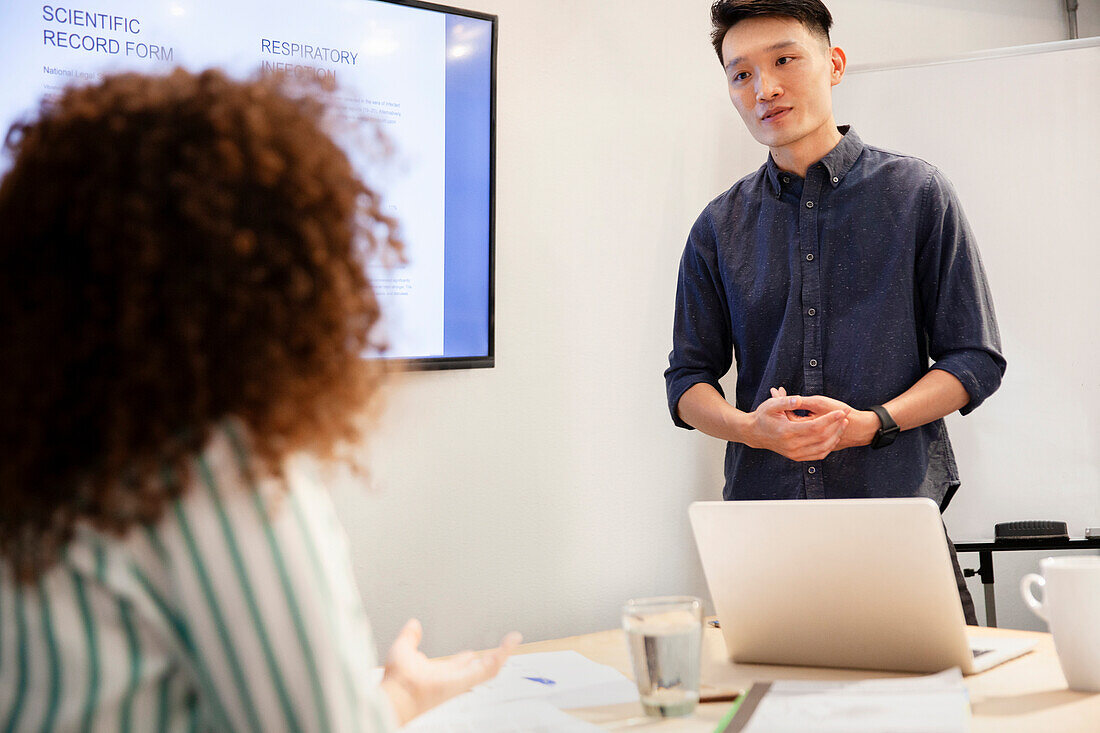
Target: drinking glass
665, 636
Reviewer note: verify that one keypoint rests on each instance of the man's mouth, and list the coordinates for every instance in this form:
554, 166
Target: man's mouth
774, 114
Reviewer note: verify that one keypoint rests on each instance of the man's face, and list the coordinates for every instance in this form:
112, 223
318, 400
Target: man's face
780, 79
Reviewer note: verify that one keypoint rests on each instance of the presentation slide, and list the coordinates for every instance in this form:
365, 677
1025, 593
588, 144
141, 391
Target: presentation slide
390, 66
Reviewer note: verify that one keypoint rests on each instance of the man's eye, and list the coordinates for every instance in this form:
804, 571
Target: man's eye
785, 59
741, 76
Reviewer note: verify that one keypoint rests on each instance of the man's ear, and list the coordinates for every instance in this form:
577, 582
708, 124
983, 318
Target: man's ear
839, 61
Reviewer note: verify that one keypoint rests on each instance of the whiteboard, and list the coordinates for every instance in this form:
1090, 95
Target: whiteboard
1018, 133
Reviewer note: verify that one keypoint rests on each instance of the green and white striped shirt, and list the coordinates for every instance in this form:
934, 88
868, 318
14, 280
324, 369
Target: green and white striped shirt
238, 611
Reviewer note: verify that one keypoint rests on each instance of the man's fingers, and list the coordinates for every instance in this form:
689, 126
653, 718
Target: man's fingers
821, 404
804, 437
817, 453
833, 434
816, 406
827, 420
816, 427
817, 447
780, 403
797, 435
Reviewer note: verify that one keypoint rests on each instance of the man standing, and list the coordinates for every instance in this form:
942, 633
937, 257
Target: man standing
833, 274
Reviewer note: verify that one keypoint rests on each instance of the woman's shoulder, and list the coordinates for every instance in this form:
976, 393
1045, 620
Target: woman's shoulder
231, 512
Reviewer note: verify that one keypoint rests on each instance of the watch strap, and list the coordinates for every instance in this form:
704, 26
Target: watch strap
887, 432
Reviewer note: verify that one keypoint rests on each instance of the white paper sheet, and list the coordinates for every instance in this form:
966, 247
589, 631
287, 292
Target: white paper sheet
528, 716
529, 695
936, 703
569, 680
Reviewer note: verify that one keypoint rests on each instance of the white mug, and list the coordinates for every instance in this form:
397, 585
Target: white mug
1071, 608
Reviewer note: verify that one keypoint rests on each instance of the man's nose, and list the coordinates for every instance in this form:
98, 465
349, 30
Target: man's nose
766, 88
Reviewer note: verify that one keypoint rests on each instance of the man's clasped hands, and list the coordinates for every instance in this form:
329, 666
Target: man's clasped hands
808, 428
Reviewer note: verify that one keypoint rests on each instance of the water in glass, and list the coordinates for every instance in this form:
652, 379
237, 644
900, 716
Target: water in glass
664, 648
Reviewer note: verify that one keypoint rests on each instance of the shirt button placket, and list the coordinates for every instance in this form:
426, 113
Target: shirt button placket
810, 248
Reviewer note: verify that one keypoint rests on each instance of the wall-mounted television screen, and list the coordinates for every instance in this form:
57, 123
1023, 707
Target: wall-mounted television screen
422, 73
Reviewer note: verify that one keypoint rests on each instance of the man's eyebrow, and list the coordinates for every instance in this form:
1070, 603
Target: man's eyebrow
773, 47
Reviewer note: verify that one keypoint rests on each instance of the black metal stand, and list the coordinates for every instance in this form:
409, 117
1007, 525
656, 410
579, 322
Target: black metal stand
986, 548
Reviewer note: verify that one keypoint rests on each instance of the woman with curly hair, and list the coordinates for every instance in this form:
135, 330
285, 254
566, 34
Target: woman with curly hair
183, 309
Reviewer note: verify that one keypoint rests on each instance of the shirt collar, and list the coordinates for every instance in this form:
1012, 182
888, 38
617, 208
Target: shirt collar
837, 162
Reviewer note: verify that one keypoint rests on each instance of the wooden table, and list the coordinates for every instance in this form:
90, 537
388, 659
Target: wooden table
1027, 694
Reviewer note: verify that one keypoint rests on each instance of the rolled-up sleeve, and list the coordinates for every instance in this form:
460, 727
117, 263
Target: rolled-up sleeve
956, 304
702, 348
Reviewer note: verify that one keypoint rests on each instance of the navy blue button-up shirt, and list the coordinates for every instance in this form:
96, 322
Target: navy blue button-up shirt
845, 284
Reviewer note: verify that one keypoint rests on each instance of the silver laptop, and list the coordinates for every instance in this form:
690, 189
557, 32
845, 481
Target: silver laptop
858, 583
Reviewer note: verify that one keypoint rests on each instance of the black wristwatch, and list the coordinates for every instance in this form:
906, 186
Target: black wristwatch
889, 430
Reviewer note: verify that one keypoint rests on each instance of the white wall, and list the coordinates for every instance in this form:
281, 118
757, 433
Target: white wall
541, 494
888, 31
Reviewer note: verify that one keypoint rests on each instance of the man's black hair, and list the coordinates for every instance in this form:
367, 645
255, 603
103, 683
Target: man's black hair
724, 14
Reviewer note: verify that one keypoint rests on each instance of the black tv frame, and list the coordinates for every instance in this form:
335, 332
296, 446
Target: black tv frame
436, 363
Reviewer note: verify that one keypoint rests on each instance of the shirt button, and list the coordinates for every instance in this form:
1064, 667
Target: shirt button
811, 470
813, 362
810, 257
809, 204
812, 311
786, 179
836, 180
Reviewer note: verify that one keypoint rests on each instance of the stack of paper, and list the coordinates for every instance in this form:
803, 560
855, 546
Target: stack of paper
529, 694
934, 704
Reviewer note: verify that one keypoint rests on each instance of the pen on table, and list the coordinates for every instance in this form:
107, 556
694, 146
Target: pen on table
720, 696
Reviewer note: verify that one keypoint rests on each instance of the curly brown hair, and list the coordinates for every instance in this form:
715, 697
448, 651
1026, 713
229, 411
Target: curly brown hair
174, 251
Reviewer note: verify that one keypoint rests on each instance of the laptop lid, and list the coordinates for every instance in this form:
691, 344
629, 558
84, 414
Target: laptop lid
857, 583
